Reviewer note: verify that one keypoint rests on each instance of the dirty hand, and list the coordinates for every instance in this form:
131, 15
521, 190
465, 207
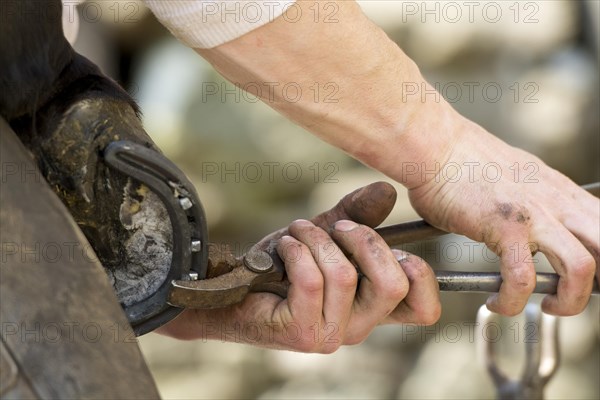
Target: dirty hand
517, 205
326, 307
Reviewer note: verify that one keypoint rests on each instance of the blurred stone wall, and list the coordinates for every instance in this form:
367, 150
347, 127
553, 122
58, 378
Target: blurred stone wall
526, 71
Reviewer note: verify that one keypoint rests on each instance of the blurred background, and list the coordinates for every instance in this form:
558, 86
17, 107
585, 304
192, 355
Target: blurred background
526, 71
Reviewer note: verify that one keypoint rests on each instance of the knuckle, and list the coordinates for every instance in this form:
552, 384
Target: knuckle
584, 267
290, 251
433, 315
312, 284
522, 279
396, 288
430, 315
391, 283
367, 235
345, 276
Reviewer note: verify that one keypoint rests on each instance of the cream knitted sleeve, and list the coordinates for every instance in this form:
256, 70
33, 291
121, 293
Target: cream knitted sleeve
209, 23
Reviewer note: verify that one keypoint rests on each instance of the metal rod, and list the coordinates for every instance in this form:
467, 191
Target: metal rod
593, 188
489, 282
409, 232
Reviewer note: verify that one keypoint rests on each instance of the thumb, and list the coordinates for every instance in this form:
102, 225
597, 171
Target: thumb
369, 205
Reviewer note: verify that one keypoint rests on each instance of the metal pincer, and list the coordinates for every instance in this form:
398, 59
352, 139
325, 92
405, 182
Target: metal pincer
542, 355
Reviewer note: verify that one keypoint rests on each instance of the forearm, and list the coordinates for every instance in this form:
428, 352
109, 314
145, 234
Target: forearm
353, 82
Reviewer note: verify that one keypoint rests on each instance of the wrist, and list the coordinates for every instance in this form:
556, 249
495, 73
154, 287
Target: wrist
428, 142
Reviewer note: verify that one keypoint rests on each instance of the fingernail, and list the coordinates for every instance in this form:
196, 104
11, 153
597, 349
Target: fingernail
302, 222
399, 254
345, 225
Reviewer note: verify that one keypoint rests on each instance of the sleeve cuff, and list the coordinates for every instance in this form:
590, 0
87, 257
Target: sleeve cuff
210, 23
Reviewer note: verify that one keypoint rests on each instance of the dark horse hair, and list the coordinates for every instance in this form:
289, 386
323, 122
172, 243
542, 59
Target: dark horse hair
38, 65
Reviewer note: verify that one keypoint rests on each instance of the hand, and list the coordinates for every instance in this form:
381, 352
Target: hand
326, 306
517, 206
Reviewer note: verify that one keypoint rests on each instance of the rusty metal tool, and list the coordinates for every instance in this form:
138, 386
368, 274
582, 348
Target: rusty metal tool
260, 271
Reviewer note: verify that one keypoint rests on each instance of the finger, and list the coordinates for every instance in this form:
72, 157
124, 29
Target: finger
573, 263
340, 276
518, 276
383, 285
369, 205
588, 199
422, 304
587, 230
304, 303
